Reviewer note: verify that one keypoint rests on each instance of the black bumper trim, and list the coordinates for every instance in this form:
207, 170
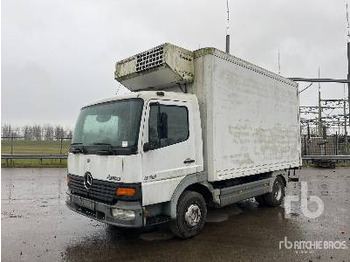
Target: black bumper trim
103, 212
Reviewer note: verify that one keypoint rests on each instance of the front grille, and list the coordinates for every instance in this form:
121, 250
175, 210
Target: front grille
101, 191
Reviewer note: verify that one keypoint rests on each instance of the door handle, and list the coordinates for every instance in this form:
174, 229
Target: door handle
189, 161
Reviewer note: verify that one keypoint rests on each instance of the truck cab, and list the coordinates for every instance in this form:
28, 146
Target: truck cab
131, 152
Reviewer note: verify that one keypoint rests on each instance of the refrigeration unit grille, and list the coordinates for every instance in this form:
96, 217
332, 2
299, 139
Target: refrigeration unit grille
150, 59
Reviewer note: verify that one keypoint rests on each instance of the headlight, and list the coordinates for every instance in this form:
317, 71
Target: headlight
123, 214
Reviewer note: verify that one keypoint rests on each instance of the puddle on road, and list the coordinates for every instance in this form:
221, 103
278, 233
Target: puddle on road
158, 235
216, 217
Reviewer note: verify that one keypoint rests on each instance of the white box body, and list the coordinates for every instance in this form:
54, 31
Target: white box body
250, 117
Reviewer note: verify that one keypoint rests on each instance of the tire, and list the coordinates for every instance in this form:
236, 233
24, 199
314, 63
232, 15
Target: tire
275, 198
260, 200
191, 214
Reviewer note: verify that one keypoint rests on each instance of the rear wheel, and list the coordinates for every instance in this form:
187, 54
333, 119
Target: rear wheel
191, 213
275, 198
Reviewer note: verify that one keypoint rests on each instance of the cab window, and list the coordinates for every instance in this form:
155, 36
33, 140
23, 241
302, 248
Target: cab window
168, 125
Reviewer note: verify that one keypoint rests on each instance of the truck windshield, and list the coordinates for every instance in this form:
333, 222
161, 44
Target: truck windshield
108, 128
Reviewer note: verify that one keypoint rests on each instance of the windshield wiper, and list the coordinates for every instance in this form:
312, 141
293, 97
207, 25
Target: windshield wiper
108, 150
115, 150
101, 144
102, 149
76, 148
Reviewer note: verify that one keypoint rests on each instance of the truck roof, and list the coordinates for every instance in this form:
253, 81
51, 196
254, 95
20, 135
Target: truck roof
238, 61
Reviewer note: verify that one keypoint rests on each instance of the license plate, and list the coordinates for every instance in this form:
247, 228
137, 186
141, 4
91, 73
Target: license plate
85, 203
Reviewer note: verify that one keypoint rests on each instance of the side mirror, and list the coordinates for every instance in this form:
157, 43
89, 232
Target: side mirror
162, 125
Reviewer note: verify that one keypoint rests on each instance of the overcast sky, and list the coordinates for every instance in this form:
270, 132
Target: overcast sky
58, 55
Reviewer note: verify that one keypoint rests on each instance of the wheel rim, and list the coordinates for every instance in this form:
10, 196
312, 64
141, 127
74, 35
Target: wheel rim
193, 215
278, 192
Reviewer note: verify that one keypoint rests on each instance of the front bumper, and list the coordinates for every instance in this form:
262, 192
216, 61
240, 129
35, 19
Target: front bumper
103, 212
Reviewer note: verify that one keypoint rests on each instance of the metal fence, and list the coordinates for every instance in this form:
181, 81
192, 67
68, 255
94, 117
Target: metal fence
333, 148
325, 151
17, 148
331, 145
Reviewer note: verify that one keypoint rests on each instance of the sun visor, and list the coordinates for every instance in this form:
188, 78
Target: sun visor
161, 67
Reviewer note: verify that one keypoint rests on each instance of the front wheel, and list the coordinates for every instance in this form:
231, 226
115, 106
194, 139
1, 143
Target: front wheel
191, 214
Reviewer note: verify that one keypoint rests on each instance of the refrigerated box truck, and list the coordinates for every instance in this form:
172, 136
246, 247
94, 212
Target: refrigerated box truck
200, 129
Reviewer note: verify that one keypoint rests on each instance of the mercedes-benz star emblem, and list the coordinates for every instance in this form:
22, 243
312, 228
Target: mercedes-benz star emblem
88, 180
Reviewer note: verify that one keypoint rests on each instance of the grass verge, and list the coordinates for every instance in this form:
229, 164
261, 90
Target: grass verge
35, 163
34, 147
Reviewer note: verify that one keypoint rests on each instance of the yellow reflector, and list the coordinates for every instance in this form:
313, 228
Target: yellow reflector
125, 191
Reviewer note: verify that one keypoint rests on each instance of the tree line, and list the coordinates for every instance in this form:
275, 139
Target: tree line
36, 132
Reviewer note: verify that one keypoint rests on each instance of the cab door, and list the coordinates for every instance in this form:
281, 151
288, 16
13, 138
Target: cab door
168, 149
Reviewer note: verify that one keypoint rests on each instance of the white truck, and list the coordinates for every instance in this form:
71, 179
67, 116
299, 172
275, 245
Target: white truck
200, 129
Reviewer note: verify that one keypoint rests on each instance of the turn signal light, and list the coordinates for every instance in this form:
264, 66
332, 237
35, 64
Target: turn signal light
68, 179
125, 191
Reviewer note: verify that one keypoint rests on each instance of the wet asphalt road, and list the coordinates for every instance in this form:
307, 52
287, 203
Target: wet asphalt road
36, 226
